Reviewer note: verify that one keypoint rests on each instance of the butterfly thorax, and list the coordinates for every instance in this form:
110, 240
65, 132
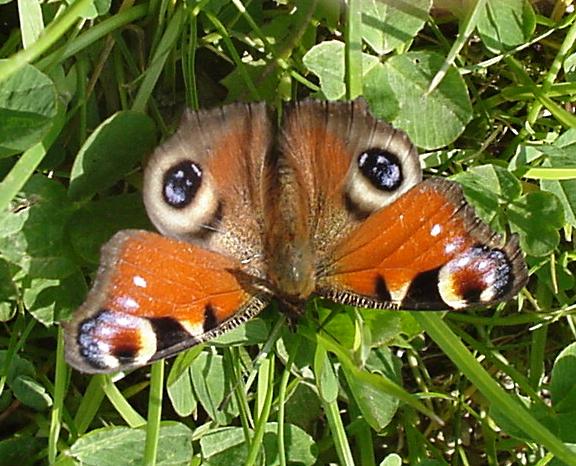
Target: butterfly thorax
289, 252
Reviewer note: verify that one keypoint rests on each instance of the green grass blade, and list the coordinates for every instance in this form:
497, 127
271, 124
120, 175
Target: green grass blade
254, 94
51, 35
546, 173
91, 401
165, 47
92, 35
353, 49
434, 326
466, 29
60, 378
332, 412
31, 21
263, 413
154, 413
128, 413
28, 162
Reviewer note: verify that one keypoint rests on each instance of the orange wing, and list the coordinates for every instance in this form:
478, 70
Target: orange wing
427, 250
153, 297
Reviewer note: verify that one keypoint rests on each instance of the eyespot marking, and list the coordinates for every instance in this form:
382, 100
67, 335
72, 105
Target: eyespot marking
479, 275
181, 183
109, 339
381, 168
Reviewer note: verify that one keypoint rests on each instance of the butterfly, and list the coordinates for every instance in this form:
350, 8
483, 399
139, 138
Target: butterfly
330, 202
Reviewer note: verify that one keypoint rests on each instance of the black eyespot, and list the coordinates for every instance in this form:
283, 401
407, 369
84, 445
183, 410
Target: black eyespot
181, 183
382, 169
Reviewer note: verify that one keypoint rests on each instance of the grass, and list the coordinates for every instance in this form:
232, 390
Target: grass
485, 91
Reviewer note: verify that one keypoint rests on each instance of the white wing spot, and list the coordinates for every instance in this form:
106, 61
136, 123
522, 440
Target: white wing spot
139, 281
435, 230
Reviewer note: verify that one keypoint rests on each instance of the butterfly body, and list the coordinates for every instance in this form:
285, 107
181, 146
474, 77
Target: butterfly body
330, 203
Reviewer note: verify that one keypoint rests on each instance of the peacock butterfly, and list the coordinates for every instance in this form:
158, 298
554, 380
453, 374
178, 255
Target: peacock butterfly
331, 203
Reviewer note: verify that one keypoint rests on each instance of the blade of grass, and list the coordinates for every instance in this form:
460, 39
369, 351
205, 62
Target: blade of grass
565, 48
60, 379
353, 49
154, 413
51, 35
91, 401
159, 58
128, 413
263, 413
550, 173
92, 35
379, 380
434, 326
332, 413
28, 162
31, 21
255, 95
189, 45
282, 401
466, 29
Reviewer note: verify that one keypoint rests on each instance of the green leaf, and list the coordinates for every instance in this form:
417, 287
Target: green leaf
431, 120
96, 222
300, 446
392, 460
503, 25
51, 300
390, 25
384, 326
31, 393
111, 152
562, 154
326, 60
207, 378
27, 106
95, 8
110, 445
326, 379
14, 449
377, 407
490, 188
253, 332
31, 21
380, 95
181, 395
259, 72
562, 387
537, 217
32, 232
18, 367
228, 446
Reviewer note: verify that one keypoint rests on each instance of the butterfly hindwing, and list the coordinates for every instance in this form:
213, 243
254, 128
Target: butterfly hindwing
155, 296
427, 250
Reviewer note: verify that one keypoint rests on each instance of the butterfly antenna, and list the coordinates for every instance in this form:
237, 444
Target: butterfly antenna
213, 228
